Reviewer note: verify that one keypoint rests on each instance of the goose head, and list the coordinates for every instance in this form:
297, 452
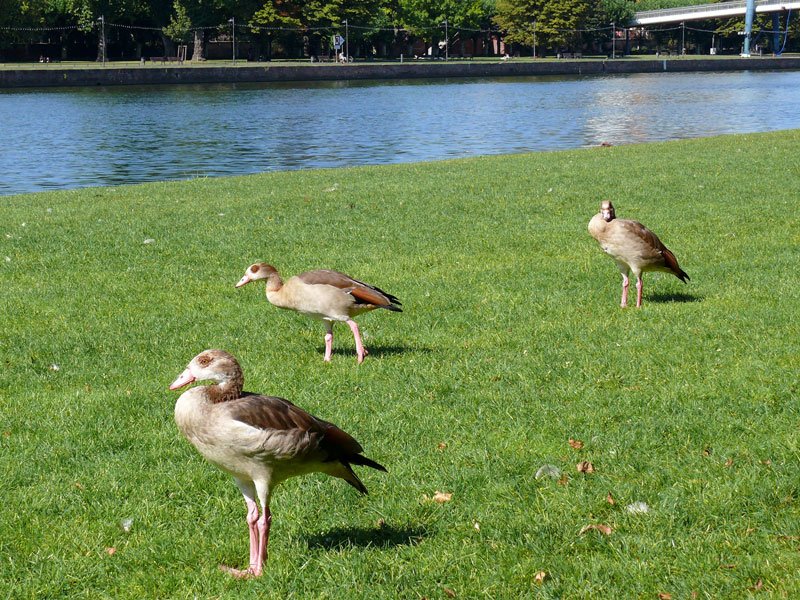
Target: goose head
258, 271
607, 211
215, 365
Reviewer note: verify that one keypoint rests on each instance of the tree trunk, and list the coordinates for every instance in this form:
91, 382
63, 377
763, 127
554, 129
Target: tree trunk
101, 46
199, 45
170, 48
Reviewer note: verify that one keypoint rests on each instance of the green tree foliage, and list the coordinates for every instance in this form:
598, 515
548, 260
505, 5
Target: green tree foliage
179, 27
557, 21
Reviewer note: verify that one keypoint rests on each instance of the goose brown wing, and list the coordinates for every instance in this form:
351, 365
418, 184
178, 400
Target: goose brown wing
651, 240
270, 412
362, 292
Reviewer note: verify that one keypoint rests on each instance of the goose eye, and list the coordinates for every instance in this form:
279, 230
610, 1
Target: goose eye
204, 360
254, 269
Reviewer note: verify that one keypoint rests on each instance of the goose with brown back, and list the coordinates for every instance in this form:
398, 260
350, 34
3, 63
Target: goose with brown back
259, 440
633, 247
323, 294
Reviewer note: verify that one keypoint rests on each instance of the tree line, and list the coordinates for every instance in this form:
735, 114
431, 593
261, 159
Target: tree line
291, 28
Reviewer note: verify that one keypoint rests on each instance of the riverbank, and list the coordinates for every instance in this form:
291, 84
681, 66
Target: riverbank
148, 74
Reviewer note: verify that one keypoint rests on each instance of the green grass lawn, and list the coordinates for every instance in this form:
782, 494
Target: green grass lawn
512, 342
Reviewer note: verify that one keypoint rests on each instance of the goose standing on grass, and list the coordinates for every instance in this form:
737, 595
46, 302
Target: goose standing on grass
259, 440
323, 294
634, 248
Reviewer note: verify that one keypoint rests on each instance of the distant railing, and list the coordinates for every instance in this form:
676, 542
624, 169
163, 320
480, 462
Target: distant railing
704, 8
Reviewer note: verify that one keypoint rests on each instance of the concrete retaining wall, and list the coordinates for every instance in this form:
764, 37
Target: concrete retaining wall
148, 74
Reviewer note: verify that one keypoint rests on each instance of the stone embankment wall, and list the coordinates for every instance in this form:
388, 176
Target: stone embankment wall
193, 74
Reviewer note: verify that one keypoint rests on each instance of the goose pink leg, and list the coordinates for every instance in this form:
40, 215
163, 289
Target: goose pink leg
264, 524
252, 525
639, 286
259, 538
328, 341
625, 282
360, 350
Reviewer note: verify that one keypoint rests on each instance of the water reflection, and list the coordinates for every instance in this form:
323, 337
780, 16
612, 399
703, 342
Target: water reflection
73, 138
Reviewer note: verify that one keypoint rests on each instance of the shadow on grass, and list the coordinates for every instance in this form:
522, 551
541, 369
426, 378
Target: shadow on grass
675, 297
378, 351
387, 536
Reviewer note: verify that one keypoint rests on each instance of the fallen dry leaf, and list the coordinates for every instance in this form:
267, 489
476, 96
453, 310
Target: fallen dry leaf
381, 523
707, 451
766, 462
577, 444
441, 445
759, 584
540, 577
449, 593
563, 480
111, 551
664, 596
585, 467
442, 497
729, 463
604, 529
610, 499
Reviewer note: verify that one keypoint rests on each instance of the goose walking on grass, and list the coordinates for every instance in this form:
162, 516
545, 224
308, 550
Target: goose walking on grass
323, 294
259, 440
633, 247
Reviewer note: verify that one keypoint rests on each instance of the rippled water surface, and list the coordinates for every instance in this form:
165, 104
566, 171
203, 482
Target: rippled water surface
67, 138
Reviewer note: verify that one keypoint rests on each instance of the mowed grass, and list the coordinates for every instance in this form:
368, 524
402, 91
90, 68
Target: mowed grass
512, 343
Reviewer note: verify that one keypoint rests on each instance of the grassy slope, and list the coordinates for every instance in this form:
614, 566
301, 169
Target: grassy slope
511, 343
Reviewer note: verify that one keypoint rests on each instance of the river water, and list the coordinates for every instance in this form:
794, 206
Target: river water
68, 138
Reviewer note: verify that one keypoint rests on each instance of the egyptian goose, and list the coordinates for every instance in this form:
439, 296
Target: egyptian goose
323, 294
259, 440
634, 248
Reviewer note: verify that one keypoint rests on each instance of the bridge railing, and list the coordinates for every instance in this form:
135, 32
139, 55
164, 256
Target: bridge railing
711, 7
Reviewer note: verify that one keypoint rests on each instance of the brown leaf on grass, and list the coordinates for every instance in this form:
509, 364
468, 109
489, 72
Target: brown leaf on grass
664, 596
610, 499
759, 584
729, 463
439, 497
707, 451
449, 593
563, 480
604, 529
577, 444
540, 577
585, 467
441, 445
381, 523
111, 551
766, 462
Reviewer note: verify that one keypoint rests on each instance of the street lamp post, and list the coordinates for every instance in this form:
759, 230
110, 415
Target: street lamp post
346, 41
102, 20
446, 42
232, 21
613, 39
683, 38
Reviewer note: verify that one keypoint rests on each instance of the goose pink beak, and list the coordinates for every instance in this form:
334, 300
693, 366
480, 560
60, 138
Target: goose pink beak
243, 281
183, 379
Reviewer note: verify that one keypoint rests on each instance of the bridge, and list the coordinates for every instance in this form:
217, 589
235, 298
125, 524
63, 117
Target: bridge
719, 10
